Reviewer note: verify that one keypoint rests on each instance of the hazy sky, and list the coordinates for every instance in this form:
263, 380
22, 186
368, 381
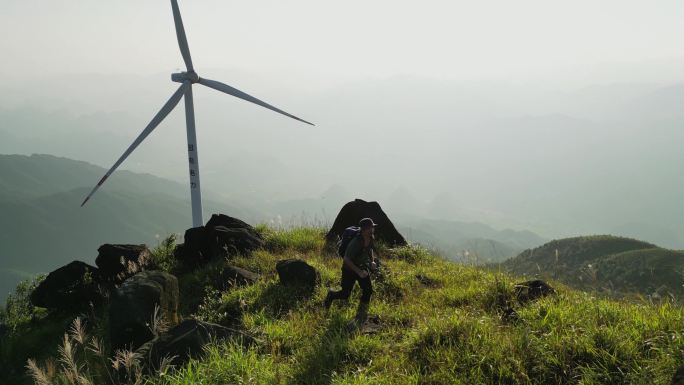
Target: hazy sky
326, 41
534, 111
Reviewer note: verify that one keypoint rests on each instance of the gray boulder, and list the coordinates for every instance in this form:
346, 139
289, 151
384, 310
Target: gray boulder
230, 276
235, 241
531, 290
133, 304
222, 237
195, 250
295, 272
227, 221
183, 342
72, 287
118, 262
352, 212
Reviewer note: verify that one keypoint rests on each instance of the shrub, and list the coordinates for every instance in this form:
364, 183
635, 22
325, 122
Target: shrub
162, 255
18, 309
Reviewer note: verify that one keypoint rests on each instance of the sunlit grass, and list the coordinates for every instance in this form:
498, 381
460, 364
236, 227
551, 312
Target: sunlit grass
449, 331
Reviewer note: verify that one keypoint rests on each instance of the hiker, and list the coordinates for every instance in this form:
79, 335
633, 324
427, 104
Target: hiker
357, 265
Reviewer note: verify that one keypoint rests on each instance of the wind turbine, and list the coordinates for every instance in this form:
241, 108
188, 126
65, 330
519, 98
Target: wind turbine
187, 79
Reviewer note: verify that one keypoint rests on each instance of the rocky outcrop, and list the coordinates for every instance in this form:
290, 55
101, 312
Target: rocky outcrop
295, 272
223, 236
223, 220
72, 287
183, 342
230, 276
531, 290
352, 212
195, 250
132, 308
119, 262
235, 241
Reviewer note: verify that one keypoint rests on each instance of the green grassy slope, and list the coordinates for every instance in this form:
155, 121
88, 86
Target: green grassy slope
613, 265
47, 232
643, 271
450, 332
23, 177
44, 233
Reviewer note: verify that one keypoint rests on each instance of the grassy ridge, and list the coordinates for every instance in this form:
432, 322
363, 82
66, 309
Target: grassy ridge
450, 331
559, 256
607, 264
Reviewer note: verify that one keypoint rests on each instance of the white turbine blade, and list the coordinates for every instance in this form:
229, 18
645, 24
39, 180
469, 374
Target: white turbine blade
239, 94
180, 34
166, 109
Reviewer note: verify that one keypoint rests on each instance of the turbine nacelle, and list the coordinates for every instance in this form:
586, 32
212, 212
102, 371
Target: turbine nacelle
182, 77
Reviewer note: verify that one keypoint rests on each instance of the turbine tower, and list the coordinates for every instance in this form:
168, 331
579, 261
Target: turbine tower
187, 79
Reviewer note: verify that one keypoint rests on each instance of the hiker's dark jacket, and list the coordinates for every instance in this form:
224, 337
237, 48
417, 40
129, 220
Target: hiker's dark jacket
359, 255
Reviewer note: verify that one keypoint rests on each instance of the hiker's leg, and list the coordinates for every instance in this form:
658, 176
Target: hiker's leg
366, 289
366, 292
347, 282
361, 313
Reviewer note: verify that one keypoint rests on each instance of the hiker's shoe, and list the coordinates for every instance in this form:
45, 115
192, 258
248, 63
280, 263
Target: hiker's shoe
361, 313
328, 300
353, 326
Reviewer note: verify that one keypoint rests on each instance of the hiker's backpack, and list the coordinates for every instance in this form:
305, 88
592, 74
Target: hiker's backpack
349, 233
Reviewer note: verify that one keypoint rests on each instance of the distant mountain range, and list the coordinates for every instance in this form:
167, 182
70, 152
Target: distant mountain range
25, 177
44, 227
468, 242
605, 263
554, 160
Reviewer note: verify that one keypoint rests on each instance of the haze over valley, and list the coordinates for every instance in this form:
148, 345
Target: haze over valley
479, 147
190, 192
552, 165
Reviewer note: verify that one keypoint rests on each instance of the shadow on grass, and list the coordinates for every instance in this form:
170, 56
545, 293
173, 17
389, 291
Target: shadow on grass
277, 299
326, 354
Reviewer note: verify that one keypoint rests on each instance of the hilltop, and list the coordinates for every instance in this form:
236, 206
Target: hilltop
438, 322
609, 264
43, 225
